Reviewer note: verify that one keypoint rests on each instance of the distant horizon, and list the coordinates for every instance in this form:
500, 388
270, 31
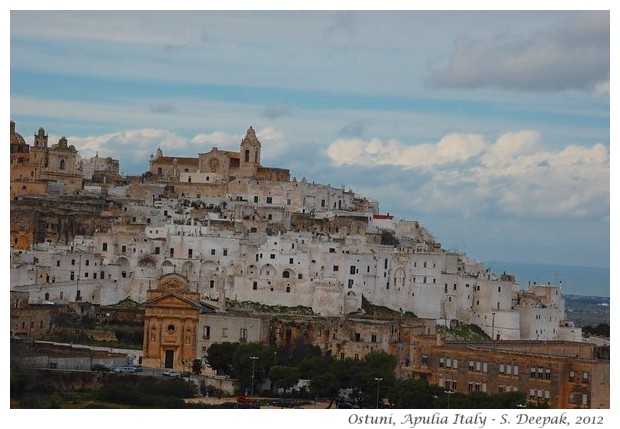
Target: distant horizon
575, 280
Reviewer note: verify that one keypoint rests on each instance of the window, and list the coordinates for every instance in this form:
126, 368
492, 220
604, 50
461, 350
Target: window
335, 268
299, 276
585, 377
254, 285
62, 164
373, 338
72, 261
87, 262
243, 333
213, 251
190, 253
157, 250
58, 263
441, 363
269, 200
95, 275
288, 201
224, 332
225, 252
425, 359
286, 274
350, 285
352, 269
288, 289
86, 275
72, 276
255, 198
123, 249
206, 332
211, 283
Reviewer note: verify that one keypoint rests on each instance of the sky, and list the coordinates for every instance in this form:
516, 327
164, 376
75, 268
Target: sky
491, 128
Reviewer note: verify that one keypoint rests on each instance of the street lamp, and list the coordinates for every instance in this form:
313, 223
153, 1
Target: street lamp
378, 380
449, 393
252, 389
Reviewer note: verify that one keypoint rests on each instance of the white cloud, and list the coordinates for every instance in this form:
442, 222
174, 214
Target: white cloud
517, 175
273, 139
511, 145
451, 148
129, 145
219, 139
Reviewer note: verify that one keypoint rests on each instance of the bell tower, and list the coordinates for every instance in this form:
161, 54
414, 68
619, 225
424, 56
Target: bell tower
249, 154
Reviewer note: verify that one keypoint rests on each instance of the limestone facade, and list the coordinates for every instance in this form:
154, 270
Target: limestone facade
170, 324
42, 164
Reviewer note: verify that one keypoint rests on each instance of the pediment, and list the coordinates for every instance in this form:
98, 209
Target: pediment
172, 300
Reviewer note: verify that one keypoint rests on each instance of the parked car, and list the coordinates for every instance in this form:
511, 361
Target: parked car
171, 373
99, 368
137, 368
124, 369
245, 400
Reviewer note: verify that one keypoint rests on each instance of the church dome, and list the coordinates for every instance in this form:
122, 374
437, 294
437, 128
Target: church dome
16, 138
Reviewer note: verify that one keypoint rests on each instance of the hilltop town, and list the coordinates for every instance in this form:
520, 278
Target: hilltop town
218, 248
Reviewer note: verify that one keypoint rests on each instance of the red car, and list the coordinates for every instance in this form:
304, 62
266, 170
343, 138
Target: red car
245, 400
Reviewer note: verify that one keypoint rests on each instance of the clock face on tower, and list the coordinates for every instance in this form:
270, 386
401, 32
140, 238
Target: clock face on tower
214, 165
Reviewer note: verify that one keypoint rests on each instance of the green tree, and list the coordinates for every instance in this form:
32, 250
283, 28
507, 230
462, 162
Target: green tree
245, 366
325, 385
416, 394
220, 357
197, 366
284, 376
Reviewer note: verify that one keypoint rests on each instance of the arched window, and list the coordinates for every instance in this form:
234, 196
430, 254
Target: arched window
286, 274
62, 164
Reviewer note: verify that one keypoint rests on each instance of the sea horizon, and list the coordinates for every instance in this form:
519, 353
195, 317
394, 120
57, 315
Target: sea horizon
574, 280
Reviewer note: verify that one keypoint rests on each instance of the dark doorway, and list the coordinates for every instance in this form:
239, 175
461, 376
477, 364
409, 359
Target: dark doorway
169, 359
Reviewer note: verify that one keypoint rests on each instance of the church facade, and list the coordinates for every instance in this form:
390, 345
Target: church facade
170, 323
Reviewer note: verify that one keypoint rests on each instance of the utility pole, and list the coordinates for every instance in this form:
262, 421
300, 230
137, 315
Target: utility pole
252, 388
378, 380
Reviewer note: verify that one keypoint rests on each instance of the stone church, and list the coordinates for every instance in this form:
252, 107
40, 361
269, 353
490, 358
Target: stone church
217, 166
170, 323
